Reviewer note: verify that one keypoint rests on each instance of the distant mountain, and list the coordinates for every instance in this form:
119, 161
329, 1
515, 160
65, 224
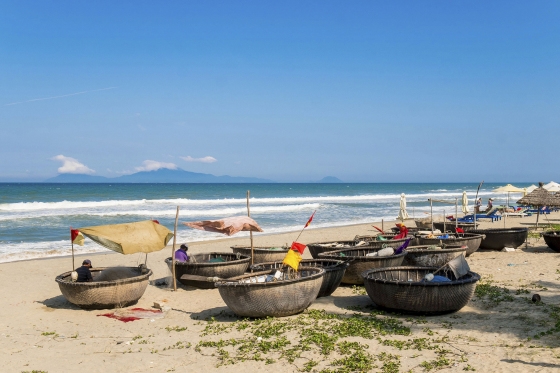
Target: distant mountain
77, 178
163, 175
330, 179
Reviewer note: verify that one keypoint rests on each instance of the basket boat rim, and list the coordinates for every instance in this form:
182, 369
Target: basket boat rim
474, 277
96, 284
234, 281
244, 259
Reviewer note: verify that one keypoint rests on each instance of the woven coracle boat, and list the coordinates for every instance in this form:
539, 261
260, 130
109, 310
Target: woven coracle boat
208, 265
552, 239
276, 298
401, 289
359, 262
498, 238
450, 226
317, 248
262, 254
471, 240
429, 256
334, 270
104, 294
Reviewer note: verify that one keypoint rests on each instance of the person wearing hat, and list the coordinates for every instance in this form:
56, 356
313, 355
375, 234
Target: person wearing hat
84, 274
489, 206
181, 254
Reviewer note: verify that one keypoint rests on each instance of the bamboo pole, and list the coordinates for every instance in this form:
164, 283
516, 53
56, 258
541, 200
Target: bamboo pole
382, 226
72, 242
444, 221
432, 214
456, 213
250, 232
173, 250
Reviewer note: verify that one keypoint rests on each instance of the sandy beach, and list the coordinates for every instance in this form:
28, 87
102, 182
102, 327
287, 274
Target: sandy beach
500, 330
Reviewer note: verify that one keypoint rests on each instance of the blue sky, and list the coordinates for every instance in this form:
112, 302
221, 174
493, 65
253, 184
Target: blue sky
290, 91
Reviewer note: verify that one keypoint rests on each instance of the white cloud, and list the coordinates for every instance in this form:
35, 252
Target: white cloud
149, 165
206, 159
71, 166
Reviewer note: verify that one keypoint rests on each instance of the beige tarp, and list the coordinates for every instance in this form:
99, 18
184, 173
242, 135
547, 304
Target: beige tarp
226, 226
129, 238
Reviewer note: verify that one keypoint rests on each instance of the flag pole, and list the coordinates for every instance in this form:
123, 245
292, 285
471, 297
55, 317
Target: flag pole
72, 242
250, 232
304, 227
173, 251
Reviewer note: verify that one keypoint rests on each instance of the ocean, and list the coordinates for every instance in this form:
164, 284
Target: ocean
35, 218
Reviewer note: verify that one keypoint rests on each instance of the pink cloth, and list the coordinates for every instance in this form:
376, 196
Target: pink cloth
227, 226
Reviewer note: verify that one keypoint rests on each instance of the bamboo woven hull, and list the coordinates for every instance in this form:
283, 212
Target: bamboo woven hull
390, 288
373, 243
471, 240
104, 294
359, 262
234, 265
552, 240
277, 299
262, 254
334, 271
421, 256
497, 239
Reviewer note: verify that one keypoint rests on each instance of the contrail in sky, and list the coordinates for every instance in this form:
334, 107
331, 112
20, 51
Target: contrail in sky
52, 98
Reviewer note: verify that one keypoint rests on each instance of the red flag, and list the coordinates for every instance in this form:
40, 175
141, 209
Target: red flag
155, 221
379, 229
77, 237
459, 230
310, 220
299, 247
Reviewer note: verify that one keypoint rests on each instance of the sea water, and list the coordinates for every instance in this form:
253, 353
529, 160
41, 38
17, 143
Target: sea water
35, 218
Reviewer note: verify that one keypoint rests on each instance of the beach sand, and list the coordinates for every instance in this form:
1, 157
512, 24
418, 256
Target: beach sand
41, 331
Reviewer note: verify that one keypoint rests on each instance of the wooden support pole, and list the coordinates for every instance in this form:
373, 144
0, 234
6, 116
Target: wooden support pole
173, 250
250, 232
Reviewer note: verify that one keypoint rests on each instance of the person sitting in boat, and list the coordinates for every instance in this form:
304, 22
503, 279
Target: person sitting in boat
84, 273
181, 254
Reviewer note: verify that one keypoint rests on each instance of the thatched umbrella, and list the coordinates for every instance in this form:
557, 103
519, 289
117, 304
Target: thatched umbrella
539, 197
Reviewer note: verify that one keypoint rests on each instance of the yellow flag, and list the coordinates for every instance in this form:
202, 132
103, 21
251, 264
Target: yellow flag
77, 237
292, 259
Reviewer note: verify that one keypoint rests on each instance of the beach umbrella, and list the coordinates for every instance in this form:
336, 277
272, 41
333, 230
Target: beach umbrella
508, 189
130, 238
531, 188
227, 226
465, 203
402, 212
552, 187
538, 197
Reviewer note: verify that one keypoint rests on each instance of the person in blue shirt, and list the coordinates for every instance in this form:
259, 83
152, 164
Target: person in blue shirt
84, 273
181, 254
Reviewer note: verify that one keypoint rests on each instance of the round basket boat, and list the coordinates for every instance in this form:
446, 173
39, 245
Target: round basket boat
104, 294
209, 265
401, 289
497, 239
450, 226
262, 254
428, 256
334, 270
552, 239
359, 262
275, 298
317, 248
471, 240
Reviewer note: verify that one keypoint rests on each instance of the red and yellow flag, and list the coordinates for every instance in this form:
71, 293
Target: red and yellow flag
77, 237
310, 220
292, 259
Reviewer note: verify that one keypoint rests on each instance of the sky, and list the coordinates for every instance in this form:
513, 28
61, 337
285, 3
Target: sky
293, 91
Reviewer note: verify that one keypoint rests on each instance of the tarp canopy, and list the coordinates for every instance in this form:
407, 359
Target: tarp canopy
129, 238
227, 226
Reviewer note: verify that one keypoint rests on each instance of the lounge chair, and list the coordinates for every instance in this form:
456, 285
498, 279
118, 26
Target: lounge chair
492, 214
518, 213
